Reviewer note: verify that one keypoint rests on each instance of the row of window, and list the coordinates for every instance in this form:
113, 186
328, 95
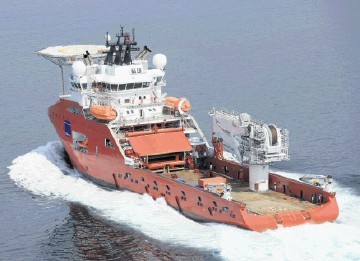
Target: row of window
140, 98
120, 87
135, 70
112, 87
132, 111
78, 86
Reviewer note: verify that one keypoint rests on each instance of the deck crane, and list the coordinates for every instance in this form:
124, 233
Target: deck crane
255, 144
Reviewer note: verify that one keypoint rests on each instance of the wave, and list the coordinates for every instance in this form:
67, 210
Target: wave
44, 172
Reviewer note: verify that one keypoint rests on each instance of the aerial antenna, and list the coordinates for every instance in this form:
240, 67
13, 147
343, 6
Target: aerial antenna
107, 39
133, 35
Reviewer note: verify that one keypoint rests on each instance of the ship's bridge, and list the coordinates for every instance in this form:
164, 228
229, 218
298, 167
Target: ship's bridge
122, 78
151, 130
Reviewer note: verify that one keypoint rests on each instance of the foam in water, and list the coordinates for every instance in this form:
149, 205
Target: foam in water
44, 172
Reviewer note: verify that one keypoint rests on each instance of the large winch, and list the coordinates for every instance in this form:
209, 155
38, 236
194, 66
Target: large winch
254, 143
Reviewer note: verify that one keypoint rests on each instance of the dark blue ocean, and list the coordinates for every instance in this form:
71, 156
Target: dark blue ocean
293, 63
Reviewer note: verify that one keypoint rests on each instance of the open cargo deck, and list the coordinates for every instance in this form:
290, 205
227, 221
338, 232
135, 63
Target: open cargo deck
261, 203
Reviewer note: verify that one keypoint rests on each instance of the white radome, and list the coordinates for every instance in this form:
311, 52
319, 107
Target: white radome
159, 61
78, 68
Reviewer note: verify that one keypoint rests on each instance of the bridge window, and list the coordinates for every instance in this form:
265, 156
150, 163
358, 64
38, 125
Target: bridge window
145, 84
122, 87
138, 85
130, 86
107, 86
114, 87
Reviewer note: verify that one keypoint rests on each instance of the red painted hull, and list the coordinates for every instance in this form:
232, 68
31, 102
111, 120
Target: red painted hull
107, 167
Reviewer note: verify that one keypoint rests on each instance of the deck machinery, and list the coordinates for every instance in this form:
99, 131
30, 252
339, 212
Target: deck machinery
254, 143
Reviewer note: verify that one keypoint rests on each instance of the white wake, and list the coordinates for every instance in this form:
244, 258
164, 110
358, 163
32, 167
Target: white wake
44, 172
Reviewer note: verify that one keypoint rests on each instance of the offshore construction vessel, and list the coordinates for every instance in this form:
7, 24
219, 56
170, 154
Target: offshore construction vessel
121, 131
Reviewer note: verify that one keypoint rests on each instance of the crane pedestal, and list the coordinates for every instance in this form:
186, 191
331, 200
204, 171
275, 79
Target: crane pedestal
259, 178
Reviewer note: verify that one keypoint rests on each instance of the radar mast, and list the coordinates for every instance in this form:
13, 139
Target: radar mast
120, 51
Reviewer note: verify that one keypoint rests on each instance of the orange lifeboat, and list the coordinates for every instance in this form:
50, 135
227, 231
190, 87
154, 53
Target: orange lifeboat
175, 102
107, 113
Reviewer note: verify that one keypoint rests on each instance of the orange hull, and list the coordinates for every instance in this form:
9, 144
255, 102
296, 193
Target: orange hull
108, 168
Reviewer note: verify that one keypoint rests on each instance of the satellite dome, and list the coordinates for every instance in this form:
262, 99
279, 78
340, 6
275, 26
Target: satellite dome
159, 61
78, 68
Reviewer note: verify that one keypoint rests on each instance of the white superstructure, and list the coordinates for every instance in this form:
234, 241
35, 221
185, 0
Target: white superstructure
127, 91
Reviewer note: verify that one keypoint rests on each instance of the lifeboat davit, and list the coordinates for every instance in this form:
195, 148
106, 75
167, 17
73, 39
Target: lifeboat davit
178, 104
107, 113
